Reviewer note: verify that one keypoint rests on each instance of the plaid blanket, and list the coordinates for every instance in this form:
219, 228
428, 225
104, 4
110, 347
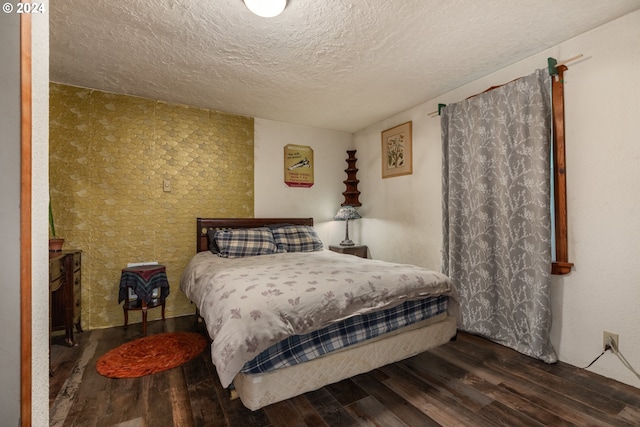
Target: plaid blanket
301, 348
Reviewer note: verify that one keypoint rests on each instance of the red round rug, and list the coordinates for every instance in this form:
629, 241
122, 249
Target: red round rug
151, 354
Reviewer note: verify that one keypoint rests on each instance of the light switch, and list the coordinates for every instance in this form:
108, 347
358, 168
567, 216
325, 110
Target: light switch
166, 185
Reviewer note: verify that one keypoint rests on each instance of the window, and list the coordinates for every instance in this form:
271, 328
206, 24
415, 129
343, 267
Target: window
560, 264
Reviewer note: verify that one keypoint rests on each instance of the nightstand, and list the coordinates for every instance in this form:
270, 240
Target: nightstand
357, 250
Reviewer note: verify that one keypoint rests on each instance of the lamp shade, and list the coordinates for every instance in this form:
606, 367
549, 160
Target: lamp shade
266, 8
347, 213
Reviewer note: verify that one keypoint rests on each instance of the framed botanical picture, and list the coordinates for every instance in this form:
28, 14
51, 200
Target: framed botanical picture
397, 158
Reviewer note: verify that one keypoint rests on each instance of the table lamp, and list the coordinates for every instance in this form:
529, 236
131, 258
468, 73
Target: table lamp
346, 213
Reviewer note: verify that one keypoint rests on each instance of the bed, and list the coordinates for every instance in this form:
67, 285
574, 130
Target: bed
286, 316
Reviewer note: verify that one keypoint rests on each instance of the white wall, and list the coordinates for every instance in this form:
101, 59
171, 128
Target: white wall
273, 198
40, 219
402, 219
403, 214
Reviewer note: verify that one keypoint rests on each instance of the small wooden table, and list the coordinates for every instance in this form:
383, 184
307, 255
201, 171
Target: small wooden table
149, 284
357, 250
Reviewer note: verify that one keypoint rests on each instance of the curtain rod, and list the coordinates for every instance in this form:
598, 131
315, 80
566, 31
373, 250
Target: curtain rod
553, 64
553, 70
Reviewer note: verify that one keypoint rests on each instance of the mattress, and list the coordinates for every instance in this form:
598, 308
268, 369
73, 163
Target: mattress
259, 390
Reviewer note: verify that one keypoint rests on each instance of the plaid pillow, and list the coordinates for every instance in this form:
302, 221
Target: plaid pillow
296, 238
244, 242
211, 236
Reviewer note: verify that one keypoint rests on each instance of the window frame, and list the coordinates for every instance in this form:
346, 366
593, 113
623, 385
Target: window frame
560, 264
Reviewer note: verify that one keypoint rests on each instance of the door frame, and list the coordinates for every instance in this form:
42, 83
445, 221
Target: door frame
25, 220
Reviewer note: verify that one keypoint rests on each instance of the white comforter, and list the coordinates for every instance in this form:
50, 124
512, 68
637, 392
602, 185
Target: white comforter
249, 304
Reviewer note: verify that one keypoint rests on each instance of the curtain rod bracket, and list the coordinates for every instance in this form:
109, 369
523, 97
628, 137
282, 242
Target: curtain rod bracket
553, 69
437, 112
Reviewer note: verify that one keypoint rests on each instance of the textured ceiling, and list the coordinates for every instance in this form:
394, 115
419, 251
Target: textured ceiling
334, 64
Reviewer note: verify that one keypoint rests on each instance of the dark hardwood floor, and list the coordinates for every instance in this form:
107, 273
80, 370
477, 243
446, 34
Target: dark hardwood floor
469, 382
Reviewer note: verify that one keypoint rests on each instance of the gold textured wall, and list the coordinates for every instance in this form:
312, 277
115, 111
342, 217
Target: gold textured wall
109, 155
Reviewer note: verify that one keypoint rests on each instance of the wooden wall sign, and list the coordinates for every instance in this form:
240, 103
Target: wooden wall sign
298, 165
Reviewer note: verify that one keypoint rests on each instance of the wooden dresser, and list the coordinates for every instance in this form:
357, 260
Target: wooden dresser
65, 282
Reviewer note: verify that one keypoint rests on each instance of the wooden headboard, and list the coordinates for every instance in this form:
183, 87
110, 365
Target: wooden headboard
206, 224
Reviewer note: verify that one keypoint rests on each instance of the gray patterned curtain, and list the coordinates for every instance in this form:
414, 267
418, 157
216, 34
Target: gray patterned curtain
496, 212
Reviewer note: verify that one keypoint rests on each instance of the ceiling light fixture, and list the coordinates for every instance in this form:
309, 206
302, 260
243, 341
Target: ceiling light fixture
266, 8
